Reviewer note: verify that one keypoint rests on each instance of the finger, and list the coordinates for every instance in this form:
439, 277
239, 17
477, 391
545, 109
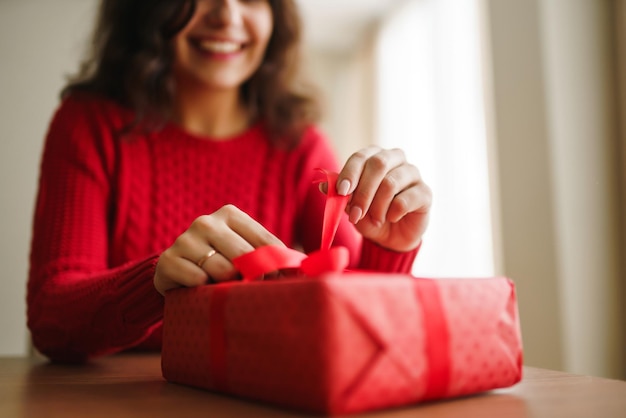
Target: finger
351, 171
247, 228
374, 171
414, 199
174, 271
219, 268
220, 236
231, 232
394, 182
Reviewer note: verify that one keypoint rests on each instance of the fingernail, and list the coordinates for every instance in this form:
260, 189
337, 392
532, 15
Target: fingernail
355, 214
344, 187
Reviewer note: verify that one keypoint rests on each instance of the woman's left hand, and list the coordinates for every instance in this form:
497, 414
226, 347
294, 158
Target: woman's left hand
390, 203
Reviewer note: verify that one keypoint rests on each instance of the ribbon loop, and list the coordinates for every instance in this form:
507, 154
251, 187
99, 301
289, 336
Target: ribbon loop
267, 259
324, 261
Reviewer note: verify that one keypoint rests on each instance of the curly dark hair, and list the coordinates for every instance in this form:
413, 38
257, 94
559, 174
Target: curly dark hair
131, 56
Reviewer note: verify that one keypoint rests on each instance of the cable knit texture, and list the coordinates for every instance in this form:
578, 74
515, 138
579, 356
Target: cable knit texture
110, 201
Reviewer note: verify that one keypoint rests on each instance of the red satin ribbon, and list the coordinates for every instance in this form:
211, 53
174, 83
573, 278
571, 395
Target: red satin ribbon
335, 205
437, 339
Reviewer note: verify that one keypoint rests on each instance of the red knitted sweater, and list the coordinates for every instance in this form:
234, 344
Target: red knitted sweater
109, 203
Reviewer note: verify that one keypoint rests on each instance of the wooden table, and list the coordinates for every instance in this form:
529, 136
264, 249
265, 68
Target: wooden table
131, 385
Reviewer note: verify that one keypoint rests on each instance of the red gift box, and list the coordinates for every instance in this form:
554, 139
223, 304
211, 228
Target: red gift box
344, 343
341, 342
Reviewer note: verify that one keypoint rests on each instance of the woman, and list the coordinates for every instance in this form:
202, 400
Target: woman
182, 145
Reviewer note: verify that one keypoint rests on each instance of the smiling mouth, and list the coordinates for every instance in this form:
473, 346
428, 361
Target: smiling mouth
219, 47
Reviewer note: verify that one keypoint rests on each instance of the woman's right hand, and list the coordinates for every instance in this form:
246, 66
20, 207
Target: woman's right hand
203, 253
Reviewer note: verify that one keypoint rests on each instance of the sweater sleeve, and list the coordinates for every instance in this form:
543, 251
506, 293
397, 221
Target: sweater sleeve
364, 254
79, 306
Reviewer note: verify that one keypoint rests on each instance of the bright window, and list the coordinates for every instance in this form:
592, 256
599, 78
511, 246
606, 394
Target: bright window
430, 103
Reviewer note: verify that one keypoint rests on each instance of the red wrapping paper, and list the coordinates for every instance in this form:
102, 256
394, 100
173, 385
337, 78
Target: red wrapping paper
346, 342
341, 342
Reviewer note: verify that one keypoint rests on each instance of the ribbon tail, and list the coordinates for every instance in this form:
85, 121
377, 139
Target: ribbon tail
335, 205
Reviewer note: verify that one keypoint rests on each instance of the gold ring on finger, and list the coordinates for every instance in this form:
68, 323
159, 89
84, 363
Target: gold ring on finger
205, 257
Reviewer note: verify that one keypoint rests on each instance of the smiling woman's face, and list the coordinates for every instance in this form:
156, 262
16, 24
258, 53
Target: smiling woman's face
223, 44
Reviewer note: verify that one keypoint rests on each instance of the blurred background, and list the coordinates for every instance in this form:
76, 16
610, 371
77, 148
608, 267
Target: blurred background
514, 111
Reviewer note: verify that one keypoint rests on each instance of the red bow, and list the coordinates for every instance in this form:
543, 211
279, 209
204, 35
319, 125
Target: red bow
271, 258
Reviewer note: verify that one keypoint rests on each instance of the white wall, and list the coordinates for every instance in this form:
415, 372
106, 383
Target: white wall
40, 42
578, 63
553, 126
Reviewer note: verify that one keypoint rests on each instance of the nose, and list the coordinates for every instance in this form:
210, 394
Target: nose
224, 13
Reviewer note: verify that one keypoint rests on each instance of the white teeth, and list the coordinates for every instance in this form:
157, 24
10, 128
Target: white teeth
220, 47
